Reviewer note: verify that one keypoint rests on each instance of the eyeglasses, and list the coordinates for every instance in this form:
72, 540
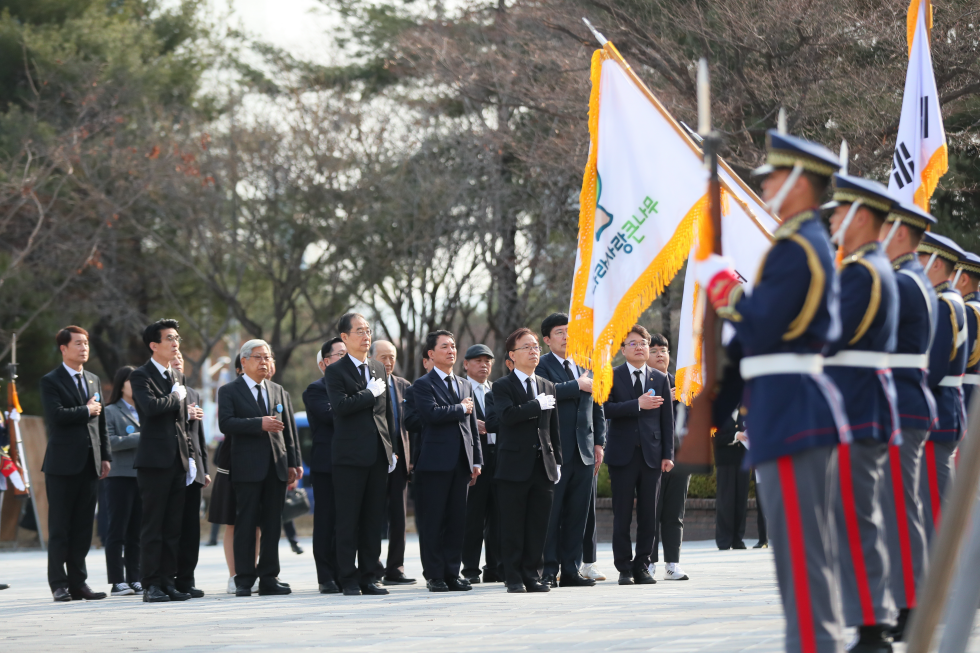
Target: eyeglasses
337, 355
264, 359
362, 332
530, 348
637, 344
174, 339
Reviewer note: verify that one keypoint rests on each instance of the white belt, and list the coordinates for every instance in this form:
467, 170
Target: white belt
952, 381
911, 361
769, 364
854, 358
971, 379
221, 471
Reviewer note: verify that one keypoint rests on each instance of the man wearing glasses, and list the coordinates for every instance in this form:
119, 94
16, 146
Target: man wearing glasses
639, 447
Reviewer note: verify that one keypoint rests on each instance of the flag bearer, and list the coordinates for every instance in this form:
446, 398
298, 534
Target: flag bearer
966, 279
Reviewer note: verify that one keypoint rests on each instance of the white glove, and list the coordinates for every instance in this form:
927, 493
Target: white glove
491, 438
376, 387
546, 402
705, 271
191, 471
180, 390
559, 474
394, 463
13, 416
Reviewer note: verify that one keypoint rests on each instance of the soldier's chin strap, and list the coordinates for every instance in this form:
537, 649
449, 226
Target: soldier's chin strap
891, 234
783, 193
838, 237
932, 259
956, 277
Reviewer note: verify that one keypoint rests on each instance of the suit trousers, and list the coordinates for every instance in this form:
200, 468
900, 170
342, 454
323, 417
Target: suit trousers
798, 493
397, 509
760, 513
671, 504
324, 528
938, 464
634, 479
902, 509
482, 522
524, 510
189, 547
731, 504
865, 580
590, 543
71, 513
442, 504
258, 504
122, 546
569, 513
162, 493
360, 501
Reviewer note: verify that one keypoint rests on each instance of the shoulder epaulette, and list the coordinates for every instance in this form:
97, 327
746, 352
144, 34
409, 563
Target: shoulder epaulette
791, 226
857, 254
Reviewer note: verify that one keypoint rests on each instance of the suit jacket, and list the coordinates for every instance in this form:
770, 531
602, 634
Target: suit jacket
163, 419
488, 416
71, 430
195, 435
320, 415
240, 419
524, 429
652, 430
445, 425
360, 419
402, 444
581, 420
412, 423
124, 437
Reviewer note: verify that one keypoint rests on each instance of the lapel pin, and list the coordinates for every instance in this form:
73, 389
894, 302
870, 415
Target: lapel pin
278, 408
130, 428
97, 397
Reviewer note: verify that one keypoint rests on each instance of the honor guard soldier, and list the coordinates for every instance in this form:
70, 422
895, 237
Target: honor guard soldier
966, 280
917, 312
795, 412
947, 364
859, 367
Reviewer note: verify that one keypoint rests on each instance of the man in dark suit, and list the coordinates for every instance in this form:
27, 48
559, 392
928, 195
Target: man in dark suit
163, 461
639, 446
189, 547
449, 461
583, 434
362, 455
76, 458
394, 572
252, 412
482, 511
529, 458
320, 415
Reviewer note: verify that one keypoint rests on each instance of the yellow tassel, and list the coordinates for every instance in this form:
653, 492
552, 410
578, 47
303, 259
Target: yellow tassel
937, 167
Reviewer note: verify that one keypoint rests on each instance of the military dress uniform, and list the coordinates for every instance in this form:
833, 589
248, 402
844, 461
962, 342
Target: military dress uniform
900, 502
795, 412
947, 365
970, 264
860, 368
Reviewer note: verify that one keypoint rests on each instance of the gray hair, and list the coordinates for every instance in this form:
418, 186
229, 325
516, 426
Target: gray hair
247, 348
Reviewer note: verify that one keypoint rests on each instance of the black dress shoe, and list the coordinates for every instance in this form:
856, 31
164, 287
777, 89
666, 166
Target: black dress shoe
458, 585
329, 587
175, 594
898, 631
280, 582
724, 548
437, 585
490, 577
243, 591
353, 590
273, 589
761, 545
643, 577
192, 591
549, 580
153, 594
872, 639
625, 578
738, 545
516, 589
397, 579
297, 549
576, 580
536, 586
61, 594
4, 586
373, 590
472, 580
85, 593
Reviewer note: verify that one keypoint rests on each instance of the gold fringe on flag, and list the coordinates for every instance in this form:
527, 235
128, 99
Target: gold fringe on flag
937, 167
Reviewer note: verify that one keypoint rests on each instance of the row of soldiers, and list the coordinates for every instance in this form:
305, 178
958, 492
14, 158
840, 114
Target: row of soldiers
854, 377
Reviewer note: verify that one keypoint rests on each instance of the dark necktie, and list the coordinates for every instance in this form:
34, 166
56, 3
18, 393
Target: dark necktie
568, 371
168, 379
81, 388
364, 373
260, 400
530, 389
452, 390
637, 385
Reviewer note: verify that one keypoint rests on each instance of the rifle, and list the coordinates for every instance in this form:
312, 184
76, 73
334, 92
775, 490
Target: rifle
16, 443
695, 453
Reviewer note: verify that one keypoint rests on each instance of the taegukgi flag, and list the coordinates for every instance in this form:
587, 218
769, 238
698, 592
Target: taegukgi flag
920, 157
643, 194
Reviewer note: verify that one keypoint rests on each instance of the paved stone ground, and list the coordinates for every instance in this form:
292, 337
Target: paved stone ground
731, 604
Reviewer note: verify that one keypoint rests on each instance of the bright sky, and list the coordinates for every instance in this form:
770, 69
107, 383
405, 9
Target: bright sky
299, 26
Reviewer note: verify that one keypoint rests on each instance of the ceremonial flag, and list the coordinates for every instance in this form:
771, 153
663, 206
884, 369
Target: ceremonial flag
920, 151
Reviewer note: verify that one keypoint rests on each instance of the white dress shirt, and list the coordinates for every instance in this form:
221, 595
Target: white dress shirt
480, 392
254, 386
163, 370
522, 377
358, 364
74, 379
561, 362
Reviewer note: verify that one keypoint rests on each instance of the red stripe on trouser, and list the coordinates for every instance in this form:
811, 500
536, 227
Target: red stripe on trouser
854, 536
902, 519
797, 555
933, 475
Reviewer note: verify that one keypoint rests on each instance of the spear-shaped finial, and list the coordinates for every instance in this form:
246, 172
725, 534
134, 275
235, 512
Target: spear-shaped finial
781, 121
844, 157
598, 36
704, 98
